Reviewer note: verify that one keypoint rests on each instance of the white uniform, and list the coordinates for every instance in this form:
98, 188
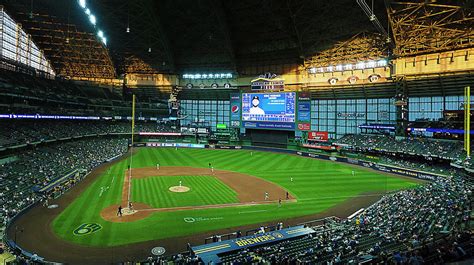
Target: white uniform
257, 111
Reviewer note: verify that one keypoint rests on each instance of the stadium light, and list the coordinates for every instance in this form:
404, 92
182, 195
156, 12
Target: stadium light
347, 67
208, 76
92, 19
82, 3
382, 63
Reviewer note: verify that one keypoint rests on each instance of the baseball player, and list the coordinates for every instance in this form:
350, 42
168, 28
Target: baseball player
157, 166
279, 202
266, 195
119, 211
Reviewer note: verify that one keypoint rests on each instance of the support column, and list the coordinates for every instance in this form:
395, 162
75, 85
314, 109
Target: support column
401, 106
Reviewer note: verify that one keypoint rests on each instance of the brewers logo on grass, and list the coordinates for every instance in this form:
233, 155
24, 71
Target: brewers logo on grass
86, 229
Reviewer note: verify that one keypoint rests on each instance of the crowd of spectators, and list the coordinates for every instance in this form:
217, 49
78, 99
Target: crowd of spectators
29, 94
30, 131
419, 165
428, 224
43, 164
447, 149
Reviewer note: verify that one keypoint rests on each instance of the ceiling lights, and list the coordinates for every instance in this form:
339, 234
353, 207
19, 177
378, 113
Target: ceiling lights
93, 20
207, 76
348, 67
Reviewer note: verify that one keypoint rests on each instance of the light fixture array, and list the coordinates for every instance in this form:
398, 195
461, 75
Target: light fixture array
348, 67
92, 20
207, 76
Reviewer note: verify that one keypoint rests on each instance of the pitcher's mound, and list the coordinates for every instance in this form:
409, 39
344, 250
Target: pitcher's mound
179, 189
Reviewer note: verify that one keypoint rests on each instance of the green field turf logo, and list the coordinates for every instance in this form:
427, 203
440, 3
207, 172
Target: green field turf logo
86, 229
201, 219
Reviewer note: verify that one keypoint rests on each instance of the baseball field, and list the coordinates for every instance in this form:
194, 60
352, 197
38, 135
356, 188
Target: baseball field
229, 193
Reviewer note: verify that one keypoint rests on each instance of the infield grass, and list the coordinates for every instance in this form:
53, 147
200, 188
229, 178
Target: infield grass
317, 184
204, 190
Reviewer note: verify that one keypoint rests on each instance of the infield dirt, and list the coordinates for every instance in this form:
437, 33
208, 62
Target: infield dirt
250, 191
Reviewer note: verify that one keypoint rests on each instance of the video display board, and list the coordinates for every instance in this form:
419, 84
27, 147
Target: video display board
269, 110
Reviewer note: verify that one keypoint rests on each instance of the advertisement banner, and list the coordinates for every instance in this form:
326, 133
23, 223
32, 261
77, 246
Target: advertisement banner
318, 136
304, 116
304, 107
209, 252
269, 125
322, 147
182, 145
235, 110
304, 126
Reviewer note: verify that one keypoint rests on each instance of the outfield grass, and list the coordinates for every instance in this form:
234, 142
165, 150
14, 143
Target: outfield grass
205, 190
317, 184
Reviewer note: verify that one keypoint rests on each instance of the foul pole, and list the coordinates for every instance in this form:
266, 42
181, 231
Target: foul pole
131, 152
467, 120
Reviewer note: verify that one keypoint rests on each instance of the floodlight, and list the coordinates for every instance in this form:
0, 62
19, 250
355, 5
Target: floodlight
82, 3
92, 19
382, 63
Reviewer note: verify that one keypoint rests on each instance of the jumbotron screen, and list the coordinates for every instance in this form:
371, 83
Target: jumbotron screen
268, 107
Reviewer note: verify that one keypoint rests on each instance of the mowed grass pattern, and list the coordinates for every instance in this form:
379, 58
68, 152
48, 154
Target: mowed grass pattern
317, 184
204, 190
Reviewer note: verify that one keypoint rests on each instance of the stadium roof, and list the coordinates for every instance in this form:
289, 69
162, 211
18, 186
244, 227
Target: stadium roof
180, 36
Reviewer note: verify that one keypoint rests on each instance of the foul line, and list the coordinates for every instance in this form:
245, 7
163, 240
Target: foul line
257, 211
216, 206
343, 197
